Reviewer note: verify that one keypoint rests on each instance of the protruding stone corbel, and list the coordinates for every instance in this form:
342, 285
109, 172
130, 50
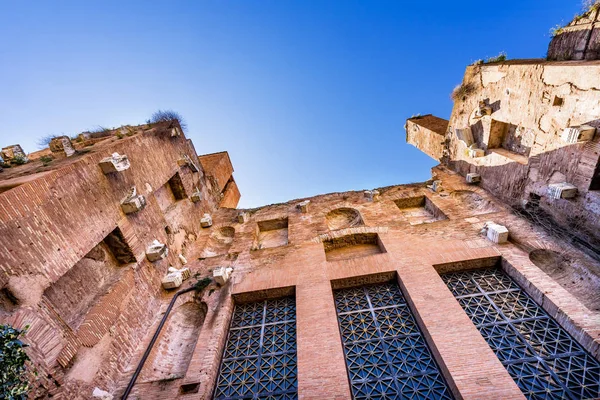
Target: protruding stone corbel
242, 217
221, 275
186, 160
156, 251
175, 277
133, 202
562, 190
576, 134
14, 154
482, 110
303, 206
175, 131
495, 232
372, 195
114, 163
62, 144
182, 259
206, 221
473, 178
474, 152
196, 196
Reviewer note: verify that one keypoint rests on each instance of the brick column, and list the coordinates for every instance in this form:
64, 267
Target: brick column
321, 366
465, 356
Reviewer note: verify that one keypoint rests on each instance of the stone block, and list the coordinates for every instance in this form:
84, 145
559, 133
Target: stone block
221, 275
185, 160
133, 202
175, 132
562, 190
101, 394
62, 144
496, 233
436, 186
576, 134
156, 251
242, 217
474, 152
473, 178
196, 196
206, 221
482, 110
175, 277
303, 206
13, 153
372, 195
114, 163
182, 259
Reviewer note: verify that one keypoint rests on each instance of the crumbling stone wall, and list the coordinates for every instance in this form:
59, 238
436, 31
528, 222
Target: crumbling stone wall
579, 40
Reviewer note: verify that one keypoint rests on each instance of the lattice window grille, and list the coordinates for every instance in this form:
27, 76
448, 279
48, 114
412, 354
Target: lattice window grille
259, 360
542, 358
386, 354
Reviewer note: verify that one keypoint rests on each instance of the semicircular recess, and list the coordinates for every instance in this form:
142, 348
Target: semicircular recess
341, 218
172, 353
473, 203
575, 275
219, 242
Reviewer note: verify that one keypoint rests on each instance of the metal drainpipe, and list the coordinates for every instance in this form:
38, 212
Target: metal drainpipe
151, 344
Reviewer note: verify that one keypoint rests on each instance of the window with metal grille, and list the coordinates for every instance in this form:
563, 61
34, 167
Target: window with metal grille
543, 359
259, 361
386, 354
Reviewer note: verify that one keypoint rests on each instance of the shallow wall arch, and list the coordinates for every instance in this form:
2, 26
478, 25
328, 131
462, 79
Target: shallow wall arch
173, 352
344, 217
473, 203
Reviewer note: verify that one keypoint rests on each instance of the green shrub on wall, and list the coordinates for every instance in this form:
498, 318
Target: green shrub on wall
14, 382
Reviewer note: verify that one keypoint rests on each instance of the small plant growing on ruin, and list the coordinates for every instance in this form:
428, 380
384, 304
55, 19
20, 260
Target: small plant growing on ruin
462, 91
556, 30
201, 284
499, 58
19, 159
14, 377
100, 129
119, 135
168, 116
46, 160
44, 141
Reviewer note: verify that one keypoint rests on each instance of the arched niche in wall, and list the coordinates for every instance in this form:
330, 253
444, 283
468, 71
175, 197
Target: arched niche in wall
173, 351
219, 241
572, 273
341, 218
473, 203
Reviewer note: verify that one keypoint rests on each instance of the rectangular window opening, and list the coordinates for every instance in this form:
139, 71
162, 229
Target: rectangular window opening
385, 351
259, 360
353, 246
177, 187
271, 233
542, 358
419, 210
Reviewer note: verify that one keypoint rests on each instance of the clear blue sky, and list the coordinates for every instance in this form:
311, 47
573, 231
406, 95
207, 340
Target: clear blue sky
308, 97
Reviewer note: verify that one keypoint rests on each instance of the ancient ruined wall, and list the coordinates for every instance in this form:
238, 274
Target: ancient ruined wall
427, 133
529, 105
73, 264
579, 40
406, 230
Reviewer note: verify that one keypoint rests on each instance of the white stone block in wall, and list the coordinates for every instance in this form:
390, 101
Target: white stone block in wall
474, 152
242, 217
101, 394
562, 190
473, 178
303, 206
182, 259
436, 186
221, 275
372, 195
133, 202
196, 196
576, 134
482, 110
465, 135
114, 163
156, 251
175, 132
172, 281
206, 221
496, 233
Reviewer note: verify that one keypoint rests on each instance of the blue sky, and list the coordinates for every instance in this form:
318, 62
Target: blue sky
307, 96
